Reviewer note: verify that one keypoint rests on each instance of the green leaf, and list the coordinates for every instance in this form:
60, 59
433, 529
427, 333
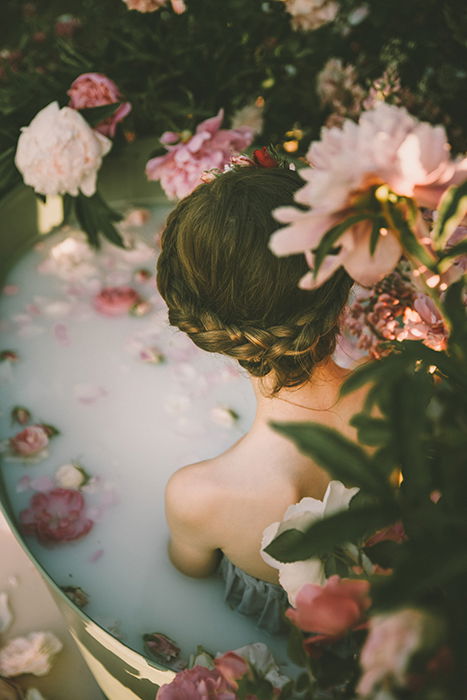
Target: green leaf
452, 209
323, 536
371, 431
408, 238
295, 649
344, 459
95, 115
332, 236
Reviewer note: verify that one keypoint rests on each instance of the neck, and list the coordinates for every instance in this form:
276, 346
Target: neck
320, 393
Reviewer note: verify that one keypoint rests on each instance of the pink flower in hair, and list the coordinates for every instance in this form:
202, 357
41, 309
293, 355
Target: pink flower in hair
95, 90
181, 169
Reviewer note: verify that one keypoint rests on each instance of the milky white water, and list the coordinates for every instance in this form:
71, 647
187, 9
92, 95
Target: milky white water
130, 424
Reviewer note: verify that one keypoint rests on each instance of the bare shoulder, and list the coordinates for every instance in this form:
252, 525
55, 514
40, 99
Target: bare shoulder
191, 495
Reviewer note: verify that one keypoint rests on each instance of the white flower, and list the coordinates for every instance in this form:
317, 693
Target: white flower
292, 576
6, 617
222, 415
30, 654
260, 657
33, 694
70, 476
59, 153
251, 115
308, 15
72, 259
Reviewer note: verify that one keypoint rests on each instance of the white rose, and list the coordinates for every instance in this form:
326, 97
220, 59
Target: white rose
30, 654
70, 476
292, 576
59, 153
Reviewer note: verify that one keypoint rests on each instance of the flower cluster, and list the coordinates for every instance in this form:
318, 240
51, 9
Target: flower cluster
94, 90
393, 310
338, 89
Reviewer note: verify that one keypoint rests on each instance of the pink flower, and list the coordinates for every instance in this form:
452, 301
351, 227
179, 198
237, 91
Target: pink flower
56, 516
180, 170
387, 146
308, 15
232, 666
93, 90
333, 609
390, 645
115, 301
424, 322
197, 683
178, 6
29, 441
392, 533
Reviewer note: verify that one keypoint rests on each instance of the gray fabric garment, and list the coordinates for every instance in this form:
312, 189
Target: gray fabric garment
251, 596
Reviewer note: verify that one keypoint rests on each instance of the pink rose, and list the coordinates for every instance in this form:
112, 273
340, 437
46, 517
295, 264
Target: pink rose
391, 643
29, 441
94, 90
115, 301
56, 516
197, 683
332, 609
210, 147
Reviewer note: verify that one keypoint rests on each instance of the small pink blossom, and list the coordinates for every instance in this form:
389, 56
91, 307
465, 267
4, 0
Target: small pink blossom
94, 90
29, 442
308, 15
392, 533
333, 609
392, 641
232, 666
424, 322
95, 556
116, 301
197, 683
210, 147
136, 217
56, 516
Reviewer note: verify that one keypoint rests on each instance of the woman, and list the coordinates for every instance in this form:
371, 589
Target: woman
231, 295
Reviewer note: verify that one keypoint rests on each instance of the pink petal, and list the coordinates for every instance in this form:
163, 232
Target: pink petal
367, 269
95, 556
212, 125
305, 231
42, 484
61, 334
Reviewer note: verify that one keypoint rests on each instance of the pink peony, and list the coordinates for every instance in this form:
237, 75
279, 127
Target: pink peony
115, 301
178, 6
387, 146
29, 441
333, 609
197, 683
181, 169
391, 643
56, 516
94, 90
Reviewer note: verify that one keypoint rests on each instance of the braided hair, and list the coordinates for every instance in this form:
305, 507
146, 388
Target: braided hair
230, 294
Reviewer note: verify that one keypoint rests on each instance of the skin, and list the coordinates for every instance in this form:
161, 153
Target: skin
223, 504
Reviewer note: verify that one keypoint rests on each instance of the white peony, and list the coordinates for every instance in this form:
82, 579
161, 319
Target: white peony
30, 654
251, 115
72, 259
59, 153
292, 576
